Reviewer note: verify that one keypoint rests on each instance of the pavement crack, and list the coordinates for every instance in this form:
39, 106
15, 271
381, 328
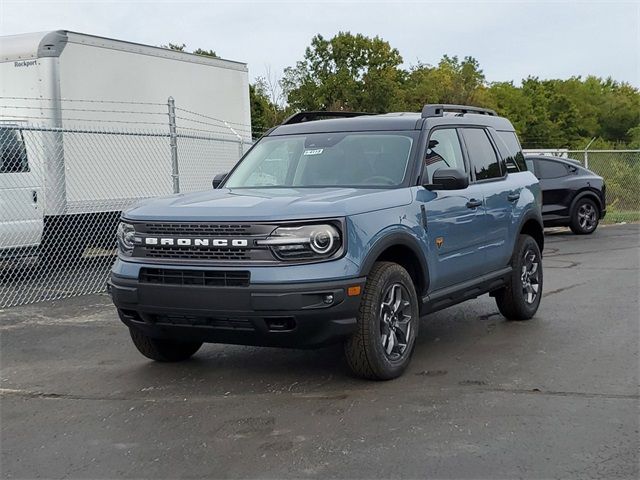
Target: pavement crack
560, 393
476, 386
53, 395
569, 264
560, 290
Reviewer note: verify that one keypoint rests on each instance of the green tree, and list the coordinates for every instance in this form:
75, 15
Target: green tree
451, 81
346, 72
181, 47
357, 73
509, 100
620, 111
175, 46
259, 102
266, 112
634, 137
205, 53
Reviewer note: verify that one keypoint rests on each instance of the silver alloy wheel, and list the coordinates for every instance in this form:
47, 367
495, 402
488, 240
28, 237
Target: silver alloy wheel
587, 217
395, 321
530, 276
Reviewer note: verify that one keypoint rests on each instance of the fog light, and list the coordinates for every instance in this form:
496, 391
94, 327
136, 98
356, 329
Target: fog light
328, 299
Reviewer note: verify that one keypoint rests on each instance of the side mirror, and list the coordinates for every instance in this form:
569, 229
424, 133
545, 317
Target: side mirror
448, 179
218, 179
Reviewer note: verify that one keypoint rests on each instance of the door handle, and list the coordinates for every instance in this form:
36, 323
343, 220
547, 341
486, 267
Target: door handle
473, 203
512, 197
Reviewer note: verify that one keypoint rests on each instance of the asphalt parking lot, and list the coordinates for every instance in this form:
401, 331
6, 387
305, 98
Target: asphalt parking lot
557, 396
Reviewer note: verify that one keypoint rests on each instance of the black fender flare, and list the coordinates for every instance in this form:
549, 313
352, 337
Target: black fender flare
395, 239
586, 193
536, 216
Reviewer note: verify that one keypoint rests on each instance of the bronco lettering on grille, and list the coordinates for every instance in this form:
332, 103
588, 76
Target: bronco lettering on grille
197, 242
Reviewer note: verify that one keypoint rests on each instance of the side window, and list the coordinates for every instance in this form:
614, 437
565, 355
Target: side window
443, 151
530, 165
484, 161
13, 155
550, 169
513, 152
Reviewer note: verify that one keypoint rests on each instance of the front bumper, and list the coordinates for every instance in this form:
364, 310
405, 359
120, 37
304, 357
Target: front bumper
282, 315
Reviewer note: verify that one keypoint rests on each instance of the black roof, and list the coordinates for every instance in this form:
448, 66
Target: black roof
390, 122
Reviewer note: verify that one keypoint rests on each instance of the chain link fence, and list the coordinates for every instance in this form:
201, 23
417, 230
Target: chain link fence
62, 191
621, 172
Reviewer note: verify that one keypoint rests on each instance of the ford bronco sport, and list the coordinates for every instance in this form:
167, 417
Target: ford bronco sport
337, 229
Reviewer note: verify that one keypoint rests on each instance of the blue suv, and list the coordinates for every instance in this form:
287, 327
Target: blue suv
337, 227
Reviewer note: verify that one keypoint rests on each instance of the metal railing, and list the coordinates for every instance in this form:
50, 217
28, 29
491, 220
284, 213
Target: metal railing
62, 189
621, 172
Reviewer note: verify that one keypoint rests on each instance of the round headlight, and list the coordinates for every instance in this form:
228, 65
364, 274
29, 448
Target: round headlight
126, 234
321, 241
304, 242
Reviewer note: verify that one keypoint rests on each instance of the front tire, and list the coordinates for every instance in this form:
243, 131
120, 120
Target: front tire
388, 322
585, 217
520, 298
163, 350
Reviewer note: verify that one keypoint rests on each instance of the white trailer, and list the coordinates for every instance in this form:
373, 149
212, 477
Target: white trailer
65, 81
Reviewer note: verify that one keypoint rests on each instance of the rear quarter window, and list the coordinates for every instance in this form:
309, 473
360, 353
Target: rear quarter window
511, 151
482, 155
551, 169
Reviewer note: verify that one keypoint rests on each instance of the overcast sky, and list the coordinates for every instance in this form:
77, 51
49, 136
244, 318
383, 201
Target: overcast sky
510, 39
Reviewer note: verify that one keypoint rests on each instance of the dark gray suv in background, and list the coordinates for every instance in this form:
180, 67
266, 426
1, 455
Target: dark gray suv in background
572, 196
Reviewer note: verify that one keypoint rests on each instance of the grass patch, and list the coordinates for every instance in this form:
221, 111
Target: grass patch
619, 216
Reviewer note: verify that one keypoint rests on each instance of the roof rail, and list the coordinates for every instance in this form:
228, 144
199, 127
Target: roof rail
301, 117
437, 110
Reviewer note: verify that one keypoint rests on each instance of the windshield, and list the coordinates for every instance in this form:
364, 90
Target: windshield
363, 159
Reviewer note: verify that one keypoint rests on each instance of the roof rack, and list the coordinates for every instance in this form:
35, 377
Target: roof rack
301, 117
437, 110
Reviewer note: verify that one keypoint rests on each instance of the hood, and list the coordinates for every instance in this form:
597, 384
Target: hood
266, 204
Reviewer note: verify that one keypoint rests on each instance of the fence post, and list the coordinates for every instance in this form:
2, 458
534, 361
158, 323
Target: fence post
586, 153
173, 142
241, 149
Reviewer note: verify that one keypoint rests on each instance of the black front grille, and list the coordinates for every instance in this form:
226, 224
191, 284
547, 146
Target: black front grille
208, 232
197, 229
196, 253
197, 321
205, 278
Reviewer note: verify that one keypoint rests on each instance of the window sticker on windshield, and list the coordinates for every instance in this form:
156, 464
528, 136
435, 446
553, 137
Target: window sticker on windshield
316, 151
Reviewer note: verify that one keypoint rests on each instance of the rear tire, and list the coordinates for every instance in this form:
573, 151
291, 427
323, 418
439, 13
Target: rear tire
388, 322
585, 217
162, 350
520, 298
